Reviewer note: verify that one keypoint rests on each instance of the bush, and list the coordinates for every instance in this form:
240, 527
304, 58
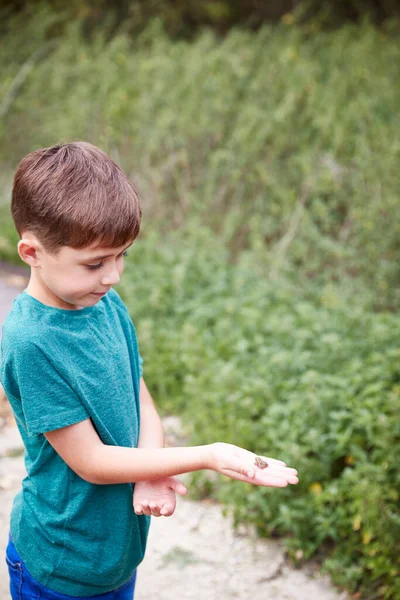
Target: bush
282, 142
315, 383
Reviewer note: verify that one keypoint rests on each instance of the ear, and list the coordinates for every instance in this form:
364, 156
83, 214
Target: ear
28, 249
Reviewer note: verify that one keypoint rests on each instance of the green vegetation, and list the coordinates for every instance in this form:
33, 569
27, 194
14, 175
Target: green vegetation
292, 139
314, 381
266, 278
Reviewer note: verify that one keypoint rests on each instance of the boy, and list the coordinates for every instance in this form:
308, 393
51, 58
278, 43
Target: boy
72, 373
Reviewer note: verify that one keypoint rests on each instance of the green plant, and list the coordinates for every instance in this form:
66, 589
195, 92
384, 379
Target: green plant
285, 143
287, 374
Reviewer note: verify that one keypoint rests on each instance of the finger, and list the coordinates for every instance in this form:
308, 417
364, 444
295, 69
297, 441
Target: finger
290, 479
291, 471
242, 463
275, 482
138, 509
167, 510
154, 509
247, 470
261, 478
179, 488
146, 510
268, 478
281, 471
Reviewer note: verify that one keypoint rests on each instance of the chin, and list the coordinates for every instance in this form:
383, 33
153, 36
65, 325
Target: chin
81, 302
89, 300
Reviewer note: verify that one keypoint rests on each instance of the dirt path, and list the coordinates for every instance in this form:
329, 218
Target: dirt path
193, 555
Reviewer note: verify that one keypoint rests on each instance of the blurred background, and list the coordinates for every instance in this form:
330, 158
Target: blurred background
264, 138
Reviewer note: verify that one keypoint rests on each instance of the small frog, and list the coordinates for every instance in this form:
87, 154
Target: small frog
260, 463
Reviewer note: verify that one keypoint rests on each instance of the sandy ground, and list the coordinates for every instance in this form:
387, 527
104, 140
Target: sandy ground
193, 555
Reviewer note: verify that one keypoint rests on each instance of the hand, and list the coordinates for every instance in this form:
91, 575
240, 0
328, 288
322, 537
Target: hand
237, 463
157, 498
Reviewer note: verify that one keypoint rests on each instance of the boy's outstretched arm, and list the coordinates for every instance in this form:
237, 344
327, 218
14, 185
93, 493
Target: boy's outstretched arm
81, 448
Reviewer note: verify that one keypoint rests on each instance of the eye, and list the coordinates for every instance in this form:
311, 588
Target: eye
98, 266
94, 267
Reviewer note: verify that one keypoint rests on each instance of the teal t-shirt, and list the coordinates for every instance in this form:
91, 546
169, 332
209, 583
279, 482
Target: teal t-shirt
60, 367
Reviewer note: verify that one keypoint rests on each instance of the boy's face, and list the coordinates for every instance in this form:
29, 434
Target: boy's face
75, 278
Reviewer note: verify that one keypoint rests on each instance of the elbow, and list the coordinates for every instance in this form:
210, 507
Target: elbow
87, 475
94, 477
91, 478
88, 470
98, 478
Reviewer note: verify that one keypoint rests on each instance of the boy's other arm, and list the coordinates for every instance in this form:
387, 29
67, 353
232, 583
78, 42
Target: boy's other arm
156, 497
84, 452
151, 429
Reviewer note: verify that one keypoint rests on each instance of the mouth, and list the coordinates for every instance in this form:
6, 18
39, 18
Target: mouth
99, 294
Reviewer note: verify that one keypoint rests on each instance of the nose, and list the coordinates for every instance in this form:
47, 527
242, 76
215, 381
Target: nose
112, 277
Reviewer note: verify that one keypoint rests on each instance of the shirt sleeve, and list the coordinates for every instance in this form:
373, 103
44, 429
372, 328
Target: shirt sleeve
48, 401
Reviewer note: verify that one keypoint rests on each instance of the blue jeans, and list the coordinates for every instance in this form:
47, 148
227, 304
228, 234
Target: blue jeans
24, 587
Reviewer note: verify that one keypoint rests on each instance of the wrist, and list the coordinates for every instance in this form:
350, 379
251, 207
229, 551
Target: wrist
208, 457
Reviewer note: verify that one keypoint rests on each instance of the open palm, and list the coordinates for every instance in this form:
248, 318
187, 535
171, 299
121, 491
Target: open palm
157, 498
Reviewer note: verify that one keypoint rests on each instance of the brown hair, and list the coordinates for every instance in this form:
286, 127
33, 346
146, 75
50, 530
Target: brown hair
73, 195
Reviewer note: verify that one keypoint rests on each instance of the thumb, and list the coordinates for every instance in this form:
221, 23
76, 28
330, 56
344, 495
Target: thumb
178, 486
243, 467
